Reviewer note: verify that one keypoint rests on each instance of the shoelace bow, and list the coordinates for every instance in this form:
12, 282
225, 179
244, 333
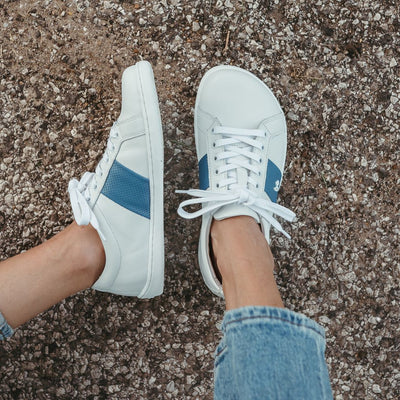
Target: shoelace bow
80, 191
236, 142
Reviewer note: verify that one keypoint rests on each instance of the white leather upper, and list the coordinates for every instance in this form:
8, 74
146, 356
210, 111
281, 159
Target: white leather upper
129, 230
134, 259
232, 97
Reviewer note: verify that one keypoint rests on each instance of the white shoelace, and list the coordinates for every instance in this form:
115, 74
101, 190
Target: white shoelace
80, 191
236, 142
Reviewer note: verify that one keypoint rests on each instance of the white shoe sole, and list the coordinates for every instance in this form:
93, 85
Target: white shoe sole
155, 272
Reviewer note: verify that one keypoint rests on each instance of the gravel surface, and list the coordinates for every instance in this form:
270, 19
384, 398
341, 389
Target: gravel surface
333, 65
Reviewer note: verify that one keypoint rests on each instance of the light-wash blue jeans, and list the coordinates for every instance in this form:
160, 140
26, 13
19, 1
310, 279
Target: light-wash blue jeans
5, 330
265, 353
270, 353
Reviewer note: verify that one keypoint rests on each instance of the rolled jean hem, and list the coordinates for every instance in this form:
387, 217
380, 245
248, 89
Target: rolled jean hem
250, 314
5, 330
270, 353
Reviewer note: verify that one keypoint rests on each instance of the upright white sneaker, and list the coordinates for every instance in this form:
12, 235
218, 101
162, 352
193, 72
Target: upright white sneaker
123, 199
240, 132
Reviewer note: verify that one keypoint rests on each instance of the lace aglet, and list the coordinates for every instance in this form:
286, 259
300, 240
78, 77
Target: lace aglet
287, 235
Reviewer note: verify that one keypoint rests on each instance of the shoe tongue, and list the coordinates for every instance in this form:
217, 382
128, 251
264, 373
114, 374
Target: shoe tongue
235, 210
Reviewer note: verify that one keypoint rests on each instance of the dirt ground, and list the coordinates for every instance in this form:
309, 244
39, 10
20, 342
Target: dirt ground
334, 66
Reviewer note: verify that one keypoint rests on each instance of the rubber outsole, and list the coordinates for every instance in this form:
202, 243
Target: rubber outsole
155, 279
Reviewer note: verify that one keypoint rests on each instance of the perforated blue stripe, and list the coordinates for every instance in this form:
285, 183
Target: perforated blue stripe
273, 181
128, 189
203, 173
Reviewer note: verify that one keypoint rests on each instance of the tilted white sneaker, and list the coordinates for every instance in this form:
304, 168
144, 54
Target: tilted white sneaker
240, 132
123, 199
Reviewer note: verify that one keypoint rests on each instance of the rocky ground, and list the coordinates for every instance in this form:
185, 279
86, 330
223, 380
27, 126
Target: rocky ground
334, 65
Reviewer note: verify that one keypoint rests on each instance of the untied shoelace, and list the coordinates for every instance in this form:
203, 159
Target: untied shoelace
236, 142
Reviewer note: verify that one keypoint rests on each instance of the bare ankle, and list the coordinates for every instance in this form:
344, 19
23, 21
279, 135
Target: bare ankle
237, 243
245, 263
85, 250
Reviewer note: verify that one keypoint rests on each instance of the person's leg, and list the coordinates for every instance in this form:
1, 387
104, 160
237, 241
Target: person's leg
35, 280
245, 263
267, 352
116, 244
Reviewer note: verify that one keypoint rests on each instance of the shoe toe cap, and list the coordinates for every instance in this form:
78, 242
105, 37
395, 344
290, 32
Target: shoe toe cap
236, 97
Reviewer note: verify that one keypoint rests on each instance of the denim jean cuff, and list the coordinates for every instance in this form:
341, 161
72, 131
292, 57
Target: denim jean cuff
5, 330
256, 314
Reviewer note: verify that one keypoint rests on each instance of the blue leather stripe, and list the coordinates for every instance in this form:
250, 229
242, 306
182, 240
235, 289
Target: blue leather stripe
203, 173
128, 189
273, 181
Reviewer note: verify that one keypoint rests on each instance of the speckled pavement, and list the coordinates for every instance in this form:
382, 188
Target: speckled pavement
334, 66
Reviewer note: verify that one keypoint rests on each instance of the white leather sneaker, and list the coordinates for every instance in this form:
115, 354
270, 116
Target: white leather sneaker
240, 132
123, 199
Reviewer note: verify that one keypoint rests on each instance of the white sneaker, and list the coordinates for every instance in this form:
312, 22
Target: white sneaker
240, 132
123, 199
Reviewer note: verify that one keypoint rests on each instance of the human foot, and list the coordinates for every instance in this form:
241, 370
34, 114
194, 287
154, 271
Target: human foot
240, 133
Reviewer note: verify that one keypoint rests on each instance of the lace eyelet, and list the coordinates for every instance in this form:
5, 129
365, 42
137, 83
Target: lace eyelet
215, 158
216, 171
260, 161
214, 144
213, 130
217, 185
259, 173
262, 148
257, 186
